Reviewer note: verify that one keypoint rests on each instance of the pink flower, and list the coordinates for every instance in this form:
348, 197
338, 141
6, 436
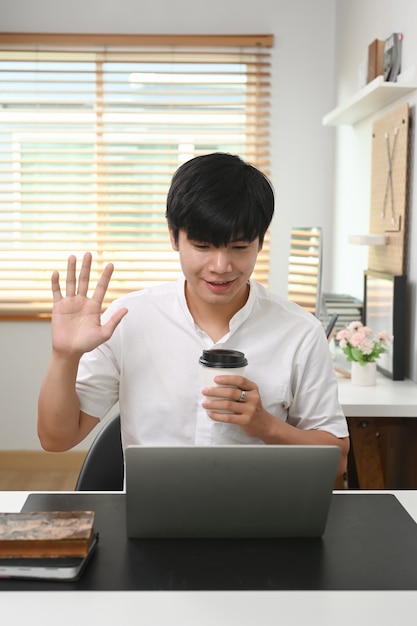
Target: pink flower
360, 343
367, 346
353, 326
384, 336
357, 338
362, 340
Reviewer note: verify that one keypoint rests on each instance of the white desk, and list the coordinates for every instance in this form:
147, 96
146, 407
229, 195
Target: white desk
290, 608
388, 398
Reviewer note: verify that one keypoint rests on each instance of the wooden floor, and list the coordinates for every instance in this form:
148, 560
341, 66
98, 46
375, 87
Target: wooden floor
37, 480
39, 471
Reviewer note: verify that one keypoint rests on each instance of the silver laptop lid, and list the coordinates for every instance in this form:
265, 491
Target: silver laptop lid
229, 491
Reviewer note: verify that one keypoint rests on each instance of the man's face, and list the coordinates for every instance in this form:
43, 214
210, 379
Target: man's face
216, 275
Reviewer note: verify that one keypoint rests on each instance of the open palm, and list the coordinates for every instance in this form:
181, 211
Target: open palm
76, 318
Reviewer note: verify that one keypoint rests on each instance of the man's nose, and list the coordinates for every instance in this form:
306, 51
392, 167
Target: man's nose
220, 260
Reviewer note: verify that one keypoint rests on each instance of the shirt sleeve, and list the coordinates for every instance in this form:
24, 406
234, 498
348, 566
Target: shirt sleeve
98, 376
315, 403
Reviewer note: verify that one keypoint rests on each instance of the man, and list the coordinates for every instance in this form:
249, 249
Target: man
143, 353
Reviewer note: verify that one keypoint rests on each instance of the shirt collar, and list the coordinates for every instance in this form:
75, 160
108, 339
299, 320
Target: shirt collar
238, 318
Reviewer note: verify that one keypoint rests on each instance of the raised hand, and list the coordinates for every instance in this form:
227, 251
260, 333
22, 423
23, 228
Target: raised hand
76, 318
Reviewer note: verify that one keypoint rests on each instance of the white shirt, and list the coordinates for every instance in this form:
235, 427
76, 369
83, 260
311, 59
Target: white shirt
150, 366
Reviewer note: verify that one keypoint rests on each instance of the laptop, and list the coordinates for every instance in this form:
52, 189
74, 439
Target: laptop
251, 491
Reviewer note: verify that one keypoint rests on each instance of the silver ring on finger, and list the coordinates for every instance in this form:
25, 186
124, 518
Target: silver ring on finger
242, 396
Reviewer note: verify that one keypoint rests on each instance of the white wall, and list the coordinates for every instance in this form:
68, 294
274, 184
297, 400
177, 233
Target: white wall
358, 22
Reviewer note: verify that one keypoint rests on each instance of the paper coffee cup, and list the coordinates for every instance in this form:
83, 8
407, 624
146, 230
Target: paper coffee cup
218, 362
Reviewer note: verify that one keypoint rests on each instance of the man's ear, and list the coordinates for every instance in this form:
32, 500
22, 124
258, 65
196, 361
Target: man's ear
174, 243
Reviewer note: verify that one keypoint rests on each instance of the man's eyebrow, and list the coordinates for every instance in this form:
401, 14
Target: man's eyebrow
233, 240
241, 240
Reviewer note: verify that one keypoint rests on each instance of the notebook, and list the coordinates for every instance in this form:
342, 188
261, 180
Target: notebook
60, 568
229, 491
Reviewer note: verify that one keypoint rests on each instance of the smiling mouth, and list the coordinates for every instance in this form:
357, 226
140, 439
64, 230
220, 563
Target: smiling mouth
219, 285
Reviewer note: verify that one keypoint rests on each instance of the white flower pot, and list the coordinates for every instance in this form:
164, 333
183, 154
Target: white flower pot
364, 375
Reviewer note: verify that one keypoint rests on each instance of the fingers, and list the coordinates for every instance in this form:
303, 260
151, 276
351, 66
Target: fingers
237, 394
109, 327
103, 283
83, 279
229, 400
71, 281
56, 289
234, 381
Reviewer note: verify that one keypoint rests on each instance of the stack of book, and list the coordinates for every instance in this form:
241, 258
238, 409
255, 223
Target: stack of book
348, 308
53, 545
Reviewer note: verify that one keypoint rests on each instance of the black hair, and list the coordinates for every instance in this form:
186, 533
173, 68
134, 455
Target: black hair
218, 198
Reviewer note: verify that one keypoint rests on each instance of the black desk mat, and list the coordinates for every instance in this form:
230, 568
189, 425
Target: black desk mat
370, 543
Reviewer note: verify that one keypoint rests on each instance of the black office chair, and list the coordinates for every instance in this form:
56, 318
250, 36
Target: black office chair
103, 467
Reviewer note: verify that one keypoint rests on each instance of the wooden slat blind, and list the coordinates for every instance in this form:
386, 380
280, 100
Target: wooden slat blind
305, 268
92, 129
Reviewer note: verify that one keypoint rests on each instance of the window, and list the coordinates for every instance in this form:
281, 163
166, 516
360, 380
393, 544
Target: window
92, 129
305, 268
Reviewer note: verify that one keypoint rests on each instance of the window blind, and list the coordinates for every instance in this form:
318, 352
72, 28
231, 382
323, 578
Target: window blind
305, 268
92, 129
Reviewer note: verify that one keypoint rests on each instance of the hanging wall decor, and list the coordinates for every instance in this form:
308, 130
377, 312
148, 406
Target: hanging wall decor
389, 190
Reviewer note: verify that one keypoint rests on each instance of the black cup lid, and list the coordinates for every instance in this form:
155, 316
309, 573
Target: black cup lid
223, 358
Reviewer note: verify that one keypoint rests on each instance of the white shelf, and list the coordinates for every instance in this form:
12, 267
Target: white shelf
368, 240
374, 96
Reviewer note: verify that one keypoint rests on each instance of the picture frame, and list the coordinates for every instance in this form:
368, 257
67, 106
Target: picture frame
384, 310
